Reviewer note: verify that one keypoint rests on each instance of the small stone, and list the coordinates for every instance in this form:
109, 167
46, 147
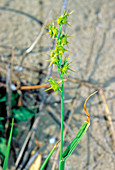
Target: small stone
13, 87
20, 69
52, 140
100, 25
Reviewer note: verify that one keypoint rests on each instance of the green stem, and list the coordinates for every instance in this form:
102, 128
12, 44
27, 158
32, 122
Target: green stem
61, 148
61, 166
60, 27
62, 90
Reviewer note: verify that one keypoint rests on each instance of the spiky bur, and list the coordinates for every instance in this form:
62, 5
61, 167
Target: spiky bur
65, 67
53, 31
54, 85
63, 19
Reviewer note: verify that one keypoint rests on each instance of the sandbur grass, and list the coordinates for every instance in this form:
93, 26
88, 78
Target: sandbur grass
57, 57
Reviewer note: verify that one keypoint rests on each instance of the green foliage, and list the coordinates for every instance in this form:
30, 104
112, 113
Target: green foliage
2, 147
15, 131
22, 114
1, 128
3, 99
18, 113
14, 97
1, 118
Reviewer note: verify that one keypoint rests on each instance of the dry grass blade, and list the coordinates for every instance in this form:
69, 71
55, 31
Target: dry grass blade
12, 60
112, 131
8, 91
22, 149
85, 108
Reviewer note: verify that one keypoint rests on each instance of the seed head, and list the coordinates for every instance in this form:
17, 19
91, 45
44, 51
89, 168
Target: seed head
53, 58
53, 31
63, 40
59, 50
63, 18
65, 67
54, 85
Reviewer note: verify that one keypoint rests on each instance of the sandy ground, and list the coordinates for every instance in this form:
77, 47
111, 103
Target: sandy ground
92, 54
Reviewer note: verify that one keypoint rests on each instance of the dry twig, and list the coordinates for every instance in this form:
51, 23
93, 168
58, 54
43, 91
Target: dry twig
110, 124
8, 82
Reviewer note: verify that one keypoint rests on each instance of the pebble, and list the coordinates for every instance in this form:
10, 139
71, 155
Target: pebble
52, 140
13, 87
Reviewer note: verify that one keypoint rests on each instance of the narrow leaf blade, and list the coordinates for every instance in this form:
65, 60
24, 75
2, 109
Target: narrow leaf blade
48, 157
8, 148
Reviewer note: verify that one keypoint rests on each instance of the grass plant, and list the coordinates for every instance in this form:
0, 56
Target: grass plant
57, 57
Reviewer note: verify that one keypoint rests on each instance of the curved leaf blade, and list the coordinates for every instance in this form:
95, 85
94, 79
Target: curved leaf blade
80, 133
75, 141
